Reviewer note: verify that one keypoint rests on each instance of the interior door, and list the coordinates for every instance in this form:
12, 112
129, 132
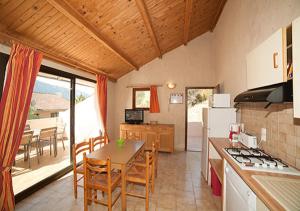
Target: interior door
265, 63
296, 64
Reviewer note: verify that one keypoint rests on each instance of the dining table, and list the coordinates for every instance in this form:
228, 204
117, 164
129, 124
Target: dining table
121, 156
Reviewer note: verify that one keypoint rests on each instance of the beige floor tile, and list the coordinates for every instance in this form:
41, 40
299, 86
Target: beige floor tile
185, 207
177, 187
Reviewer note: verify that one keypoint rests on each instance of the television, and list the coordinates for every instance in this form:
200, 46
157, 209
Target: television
134, 116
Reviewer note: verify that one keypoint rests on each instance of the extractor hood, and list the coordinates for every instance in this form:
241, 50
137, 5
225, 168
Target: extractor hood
277, 93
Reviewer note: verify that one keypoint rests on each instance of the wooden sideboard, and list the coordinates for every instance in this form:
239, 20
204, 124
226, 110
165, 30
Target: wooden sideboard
149, 133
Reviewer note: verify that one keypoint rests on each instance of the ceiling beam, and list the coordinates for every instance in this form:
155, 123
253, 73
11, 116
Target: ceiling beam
146, 17
6, 38
187, 20
67, 10
217, 15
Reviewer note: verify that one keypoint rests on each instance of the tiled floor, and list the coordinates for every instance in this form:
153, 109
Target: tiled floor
179, 186
194, 143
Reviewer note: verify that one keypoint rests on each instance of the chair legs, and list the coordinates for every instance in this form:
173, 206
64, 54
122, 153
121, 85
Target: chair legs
152, 185
109, 201
75, 185
37, 152
62, 140
50, 143
85, 199
147, 196
28, 155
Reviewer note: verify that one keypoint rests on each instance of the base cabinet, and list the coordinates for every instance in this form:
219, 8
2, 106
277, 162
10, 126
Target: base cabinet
149, 133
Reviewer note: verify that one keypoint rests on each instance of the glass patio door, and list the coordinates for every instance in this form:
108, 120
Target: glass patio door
45, 145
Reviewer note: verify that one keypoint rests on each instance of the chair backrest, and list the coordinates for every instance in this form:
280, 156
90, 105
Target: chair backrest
27, 127
99, 140
150, 162
61, 128
48, 132
27, 137
93, 167
82, 147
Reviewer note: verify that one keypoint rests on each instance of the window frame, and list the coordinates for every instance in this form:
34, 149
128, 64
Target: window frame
134, 90
3, 63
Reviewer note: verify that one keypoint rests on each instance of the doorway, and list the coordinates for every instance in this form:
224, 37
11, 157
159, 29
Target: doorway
196, 100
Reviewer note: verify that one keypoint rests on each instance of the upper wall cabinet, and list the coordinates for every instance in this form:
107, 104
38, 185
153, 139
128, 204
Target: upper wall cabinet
266, 64
296, 65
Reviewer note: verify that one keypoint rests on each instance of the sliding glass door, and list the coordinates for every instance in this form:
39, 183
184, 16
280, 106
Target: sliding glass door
45, 146
63, 111
87, 122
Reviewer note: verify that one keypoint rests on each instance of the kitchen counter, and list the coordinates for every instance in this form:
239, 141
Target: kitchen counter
219, 144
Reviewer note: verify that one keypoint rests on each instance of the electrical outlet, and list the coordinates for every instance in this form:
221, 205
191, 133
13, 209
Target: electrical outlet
263, 134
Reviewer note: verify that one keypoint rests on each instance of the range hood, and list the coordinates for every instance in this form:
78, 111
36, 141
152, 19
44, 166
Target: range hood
277, 93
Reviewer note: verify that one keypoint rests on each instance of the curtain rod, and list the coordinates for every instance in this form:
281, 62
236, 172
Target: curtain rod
143, 85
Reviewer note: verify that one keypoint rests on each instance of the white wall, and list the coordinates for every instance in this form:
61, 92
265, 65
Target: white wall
190, 65
242, 26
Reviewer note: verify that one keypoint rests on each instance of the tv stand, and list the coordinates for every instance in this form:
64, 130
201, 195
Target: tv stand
149, 133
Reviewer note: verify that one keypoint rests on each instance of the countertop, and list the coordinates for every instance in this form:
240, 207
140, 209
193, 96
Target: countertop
246, 175
148, 124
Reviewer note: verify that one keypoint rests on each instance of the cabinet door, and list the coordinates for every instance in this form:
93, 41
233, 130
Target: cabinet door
296, 66
132, 135
166, 141
150, 138
123, 134
265, 64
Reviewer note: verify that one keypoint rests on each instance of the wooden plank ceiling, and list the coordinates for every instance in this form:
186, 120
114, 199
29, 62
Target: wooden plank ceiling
112, 37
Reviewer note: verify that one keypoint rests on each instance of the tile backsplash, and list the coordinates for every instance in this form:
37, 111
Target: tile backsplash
283, 131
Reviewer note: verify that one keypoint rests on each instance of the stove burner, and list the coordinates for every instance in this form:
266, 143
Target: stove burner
255, 158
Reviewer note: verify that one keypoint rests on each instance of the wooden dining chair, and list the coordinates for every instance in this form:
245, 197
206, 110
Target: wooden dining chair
143, 174
77, 149
97, 141
26, 144
48, 136
98, 175
27, 127
141, 158
156, 145
60, 134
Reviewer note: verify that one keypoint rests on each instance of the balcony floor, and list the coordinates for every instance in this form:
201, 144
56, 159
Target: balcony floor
24, 177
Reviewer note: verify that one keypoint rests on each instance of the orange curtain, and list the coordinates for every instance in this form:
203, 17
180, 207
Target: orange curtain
102, 100
154, 104
23, 67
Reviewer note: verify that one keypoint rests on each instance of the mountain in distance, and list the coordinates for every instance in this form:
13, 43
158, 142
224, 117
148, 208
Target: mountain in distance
45, 88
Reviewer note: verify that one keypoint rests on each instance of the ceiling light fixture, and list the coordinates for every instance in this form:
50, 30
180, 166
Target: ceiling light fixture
171, 85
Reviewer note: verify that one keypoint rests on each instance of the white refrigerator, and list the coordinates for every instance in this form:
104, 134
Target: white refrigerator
216, 123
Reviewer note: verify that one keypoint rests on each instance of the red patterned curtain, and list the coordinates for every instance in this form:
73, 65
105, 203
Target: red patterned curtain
102, 100
23, 67
154, 104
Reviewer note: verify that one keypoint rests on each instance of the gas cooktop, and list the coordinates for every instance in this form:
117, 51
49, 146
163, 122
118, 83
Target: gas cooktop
258, 160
